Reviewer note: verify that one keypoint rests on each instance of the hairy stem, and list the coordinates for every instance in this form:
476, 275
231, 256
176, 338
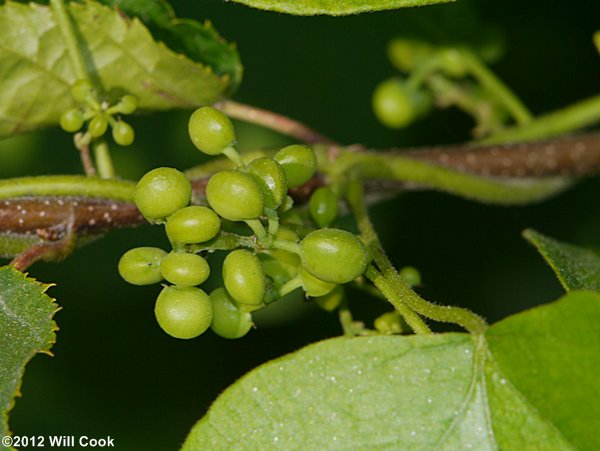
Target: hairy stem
394, 285
274, 121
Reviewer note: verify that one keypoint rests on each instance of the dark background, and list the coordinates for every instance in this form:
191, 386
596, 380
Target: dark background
116, 373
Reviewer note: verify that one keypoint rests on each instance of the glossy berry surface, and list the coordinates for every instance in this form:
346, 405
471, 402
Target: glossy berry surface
298, 162
244, 278
332, 300
128, 104
123, 133
389, 323
334, 255
210, 130
228, 321
141, 266
81, 90
235, 196
183, 312
313, 286
98, 126
183, 269
193, 224
161, 192
71, 120
396, 105
271, 179
324, 206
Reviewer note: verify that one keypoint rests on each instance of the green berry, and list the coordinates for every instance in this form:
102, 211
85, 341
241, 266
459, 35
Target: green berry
271, 179
334, 255
453, 62
128, 104
183, 269
332, 300
71, 120
390, 323
183, 312
98, 125
228, 321
123, 133
324, 206
82, 90
244, 278
193, 224
210, 130
235, 196
411, 276
141, 266
313, 286
407, 54
161, 192
298, 162
396, 105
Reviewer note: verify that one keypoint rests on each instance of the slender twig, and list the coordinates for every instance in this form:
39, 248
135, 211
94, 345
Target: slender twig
396, 289
273, 121
104, 162
496, 87
86, 160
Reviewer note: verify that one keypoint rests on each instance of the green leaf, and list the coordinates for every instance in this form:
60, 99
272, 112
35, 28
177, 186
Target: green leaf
334, 7
26, 328
529, 383
199, 42
121, 54
576, 268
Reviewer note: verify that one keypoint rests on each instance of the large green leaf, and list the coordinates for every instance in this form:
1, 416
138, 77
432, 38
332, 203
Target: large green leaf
26, 328
576, 268
122, 56
529, 383
334, 7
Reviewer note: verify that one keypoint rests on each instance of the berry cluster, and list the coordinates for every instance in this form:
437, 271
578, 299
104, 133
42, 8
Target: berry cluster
266, 258
98, 115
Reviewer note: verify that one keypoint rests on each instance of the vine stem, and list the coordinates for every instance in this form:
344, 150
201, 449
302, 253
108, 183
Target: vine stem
274, 121
493, 84
104, 162
68, 33
572, 117
396, 289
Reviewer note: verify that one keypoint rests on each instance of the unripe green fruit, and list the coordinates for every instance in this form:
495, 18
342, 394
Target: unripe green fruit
411, 276
324, 206
141, 266
299, 163
128, 104
396, 105
244, 278
71, 120
235, 196
453, 62
123, 133
183, 312
271, 179
313, 286
332, 300
193, 224
390, 323
228, 321
183, 269
161, 192
334, 255
98, 125
81, 90
210, 130
407, 54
